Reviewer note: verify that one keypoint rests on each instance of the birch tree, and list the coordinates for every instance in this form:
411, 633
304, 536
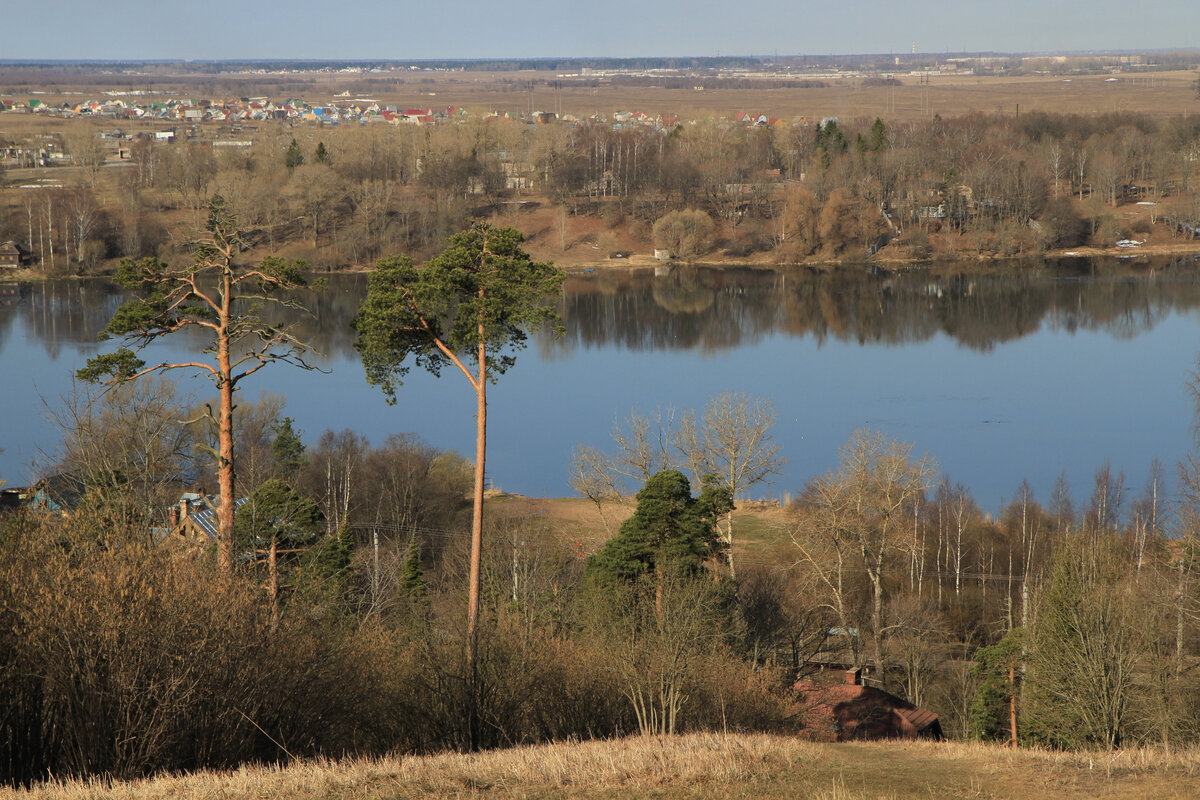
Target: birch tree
865, 506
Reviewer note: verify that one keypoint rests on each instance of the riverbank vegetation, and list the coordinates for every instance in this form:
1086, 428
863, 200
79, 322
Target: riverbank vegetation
586, 190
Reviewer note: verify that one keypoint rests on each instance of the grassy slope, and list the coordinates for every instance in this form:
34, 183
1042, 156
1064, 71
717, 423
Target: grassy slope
761, 530
695, 766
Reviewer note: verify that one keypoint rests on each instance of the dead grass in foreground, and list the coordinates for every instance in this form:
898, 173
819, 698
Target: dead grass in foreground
694, 766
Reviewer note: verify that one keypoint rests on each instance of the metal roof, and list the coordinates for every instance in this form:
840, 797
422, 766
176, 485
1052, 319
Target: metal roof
206, 520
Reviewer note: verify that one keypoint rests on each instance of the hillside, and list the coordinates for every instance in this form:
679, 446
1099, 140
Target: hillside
696, 766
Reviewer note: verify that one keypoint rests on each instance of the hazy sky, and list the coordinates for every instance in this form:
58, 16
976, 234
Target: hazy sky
405, 29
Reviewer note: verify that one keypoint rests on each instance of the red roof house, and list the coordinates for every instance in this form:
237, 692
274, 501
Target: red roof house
850, 711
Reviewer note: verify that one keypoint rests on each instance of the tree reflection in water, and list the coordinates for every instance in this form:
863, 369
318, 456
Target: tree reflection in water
1002, 372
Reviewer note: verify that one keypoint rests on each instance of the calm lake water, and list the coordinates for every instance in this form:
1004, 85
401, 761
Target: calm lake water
1018, 373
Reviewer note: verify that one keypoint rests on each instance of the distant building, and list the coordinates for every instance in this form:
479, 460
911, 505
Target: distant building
11, 256
60, 494
194, 518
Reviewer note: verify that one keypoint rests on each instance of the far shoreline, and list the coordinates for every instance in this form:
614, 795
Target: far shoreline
882, 261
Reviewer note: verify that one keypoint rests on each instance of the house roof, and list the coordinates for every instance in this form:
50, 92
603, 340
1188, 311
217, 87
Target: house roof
853, 711
920, 718
205, 521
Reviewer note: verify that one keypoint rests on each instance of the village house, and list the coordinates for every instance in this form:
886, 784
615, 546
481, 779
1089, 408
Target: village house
194, 519
11, 256
851, 711
59, 494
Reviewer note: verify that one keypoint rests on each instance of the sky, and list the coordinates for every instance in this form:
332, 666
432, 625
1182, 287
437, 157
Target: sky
458, 29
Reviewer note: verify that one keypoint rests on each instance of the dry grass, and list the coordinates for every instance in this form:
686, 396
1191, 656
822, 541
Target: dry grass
697, 765
761, 528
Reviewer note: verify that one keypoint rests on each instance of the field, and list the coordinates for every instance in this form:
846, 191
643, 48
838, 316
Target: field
1157, 93
761, 529
692, 766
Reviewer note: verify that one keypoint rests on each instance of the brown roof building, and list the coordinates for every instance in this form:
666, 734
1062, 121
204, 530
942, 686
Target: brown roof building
11, 255
850, 711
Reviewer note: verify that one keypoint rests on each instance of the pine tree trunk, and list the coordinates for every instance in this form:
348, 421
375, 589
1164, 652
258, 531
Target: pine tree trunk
476, 539
225, 474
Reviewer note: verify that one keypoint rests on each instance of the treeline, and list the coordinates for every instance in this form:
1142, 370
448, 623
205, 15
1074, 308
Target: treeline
1049, 624
980, 184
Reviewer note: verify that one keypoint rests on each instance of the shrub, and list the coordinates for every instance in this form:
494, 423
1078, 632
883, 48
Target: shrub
1060, 224
125, 659
686, 234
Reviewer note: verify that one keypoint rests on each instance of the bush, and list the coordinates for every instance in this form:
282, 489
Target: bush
917, 242
686, 234
1140, 226
126, 659
120, 658
748, 238
1061, 226
1109, 230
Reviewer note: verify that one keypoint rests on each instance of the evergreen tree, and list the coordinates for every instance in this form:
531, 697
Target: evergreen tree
327, 568
170, 299
878, 135
412, 579
831, 141
293, 157
321, 156
287, 449
998, 669
277, 521
669, 531
471, 308
277, 513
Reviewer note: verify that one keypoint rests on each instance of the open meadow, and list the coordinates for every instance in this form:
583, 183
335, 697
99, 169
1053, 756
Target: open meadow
709, 765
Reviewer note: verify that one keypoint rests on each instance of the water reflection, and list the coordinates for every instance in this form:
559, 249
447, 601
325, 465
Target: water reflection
714, 309
709, 310
934, 357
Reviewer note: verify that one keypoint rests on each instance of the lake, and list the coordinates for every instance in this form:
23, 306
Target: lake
1001, 374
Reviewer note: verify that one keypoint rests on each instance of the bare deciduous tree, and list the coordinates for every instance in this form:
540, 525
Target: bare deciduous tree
732, 443
643, 447
131, 444
864, 507
686, 234
86, 150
